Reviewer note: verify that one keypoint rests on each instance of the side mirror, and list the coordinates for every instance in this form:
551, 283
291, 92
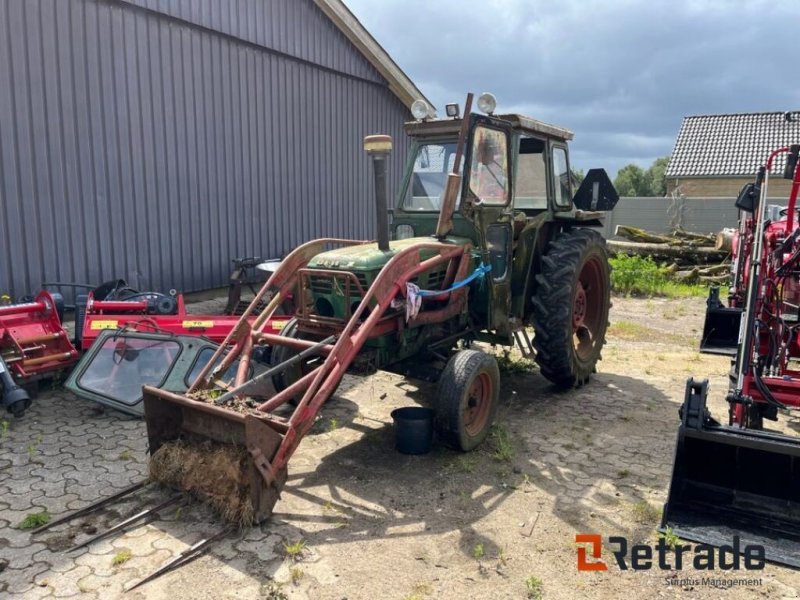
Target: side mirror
791, 161
596, 192
747, 200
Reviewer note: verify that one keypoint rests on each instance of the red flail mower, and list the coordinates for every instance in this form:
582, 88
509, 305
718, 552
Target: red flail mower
742, 479
32, 344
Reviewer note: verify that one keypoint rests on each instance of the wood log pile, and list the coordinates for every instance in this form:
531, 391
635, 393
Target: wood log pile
687, 256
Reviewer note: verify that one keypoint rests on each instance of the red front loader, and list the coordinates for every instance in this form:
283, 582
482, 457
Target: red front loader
739, 479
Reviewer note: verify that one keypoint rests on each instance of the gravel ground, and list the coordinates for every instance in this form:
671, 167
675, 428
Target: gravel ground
368, 522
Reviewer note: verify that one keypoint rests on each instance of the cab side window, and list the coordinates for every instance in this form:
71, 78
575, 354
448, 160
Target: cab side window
530, 191
561, 185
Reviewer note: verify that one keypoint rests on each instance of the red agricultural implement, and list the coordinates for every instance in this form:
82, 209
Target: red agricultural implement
740, 479
32, 344
159, 314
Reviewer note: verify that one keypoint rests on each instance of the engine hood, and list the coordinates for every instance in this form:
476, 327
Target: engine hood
367, 257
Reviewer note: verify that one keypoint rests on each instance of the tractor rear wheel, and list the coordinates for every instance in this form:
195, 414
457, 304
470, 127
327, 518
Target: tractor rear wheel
570, 307
467, 399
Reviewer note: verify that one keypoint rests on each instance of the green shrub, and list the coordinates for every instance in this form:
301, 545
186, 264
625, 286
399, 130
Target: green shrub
637, 275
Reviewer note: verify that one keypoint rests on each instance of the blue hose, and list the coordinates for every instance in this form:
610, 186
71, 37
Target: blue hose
480, 271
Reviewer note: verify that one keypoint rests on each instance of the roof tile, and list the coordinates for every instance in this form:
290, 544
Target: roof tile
714, 145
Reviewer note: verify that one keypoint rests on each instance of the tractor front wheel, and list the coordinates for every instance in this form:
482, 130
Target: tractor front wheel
283, 353
467, 399
570, 307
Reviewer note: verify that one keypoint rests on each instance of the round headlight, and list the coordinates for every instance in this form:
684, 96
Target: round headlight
403, 232
420, 109
487, 103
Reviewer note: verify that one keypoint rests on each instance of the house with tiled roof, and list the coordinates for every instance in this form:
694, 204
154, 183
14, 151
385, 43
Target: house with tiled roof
715, 155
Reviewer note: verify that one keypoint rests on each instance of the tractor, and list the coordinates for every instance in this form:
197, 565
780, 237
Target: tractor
490, 237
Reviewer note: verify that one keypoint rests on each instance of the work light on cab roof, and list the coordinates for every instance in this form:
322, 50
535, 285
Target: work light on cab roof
487, 103
422, 111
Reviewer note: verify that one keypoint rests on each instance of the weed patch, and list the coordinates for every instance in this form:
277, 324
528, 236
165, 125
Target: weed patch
534, 587
641, 276
34, 520
644, 512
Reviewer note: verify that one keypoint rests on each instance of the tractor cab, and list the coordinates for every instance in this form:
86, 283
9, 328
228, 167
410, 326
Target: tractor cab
516, 189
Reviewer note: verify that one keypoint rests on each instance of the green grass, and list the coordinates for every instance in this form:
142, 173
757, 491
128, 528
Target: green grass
632, 332
33, 448
511, 364
534, 587
644, 512
125, 455
501, 557
296, 574
121, 557
421, 590
333, 424
670, 537
478, 551
34, 520
641, 276
500, 441
295, 549
467, 463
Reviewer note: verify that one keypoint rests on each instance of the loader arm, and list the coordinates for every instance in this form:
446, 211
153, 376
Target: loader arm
271, 439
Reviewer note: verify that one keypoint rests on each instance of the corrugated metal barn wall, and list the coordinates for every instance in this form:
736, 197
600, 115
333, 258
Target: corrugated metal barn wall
156, 146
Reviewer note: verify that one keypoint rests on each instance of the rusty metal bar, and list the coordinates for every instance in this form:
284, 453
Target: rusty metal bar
334, 273
122, 524
281, 340
91, 507
296, 259
244, 361
184, 557
391, 280
283, 396
243, 387
195, 404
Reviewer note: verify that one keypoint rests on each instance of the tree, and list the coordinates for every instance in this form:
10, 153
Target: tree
632, 180
655, 175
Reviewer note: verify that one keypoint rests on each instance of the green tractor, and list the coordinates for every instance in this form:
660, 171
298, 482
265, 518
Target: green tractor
489, 238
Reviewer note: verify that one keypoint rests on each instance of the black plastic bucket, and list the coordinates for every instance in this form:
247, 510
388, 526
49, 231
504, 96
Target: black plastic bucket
413, 429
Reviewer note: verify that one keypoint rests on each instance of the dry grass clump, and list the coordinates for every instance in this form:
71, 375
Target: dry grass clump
217, 473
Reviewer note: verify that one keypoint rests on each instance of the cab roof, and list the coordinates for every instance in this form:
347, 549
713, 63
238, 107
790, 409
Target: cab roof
519, 122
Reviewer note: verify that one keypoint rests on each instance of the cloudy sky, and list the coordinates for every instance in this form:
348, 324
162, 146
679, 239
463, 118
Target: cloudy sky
620, 73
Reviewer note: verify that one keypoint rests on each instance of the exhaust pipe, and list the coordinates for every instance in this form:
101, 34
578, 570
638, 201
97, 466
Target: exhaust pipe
379, 147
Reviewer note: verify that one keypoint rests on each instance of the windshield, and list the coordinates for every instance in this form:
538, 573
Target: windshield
432, 163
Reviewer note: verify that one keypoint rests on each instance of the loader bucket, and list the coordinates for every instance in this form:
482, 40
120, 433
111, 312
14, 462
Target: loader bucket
721, 327
186, 439
728, 482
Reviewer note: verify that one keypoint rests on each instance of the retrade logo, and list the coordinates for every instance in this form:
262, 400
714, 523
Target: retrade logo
642, 557
596, 546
